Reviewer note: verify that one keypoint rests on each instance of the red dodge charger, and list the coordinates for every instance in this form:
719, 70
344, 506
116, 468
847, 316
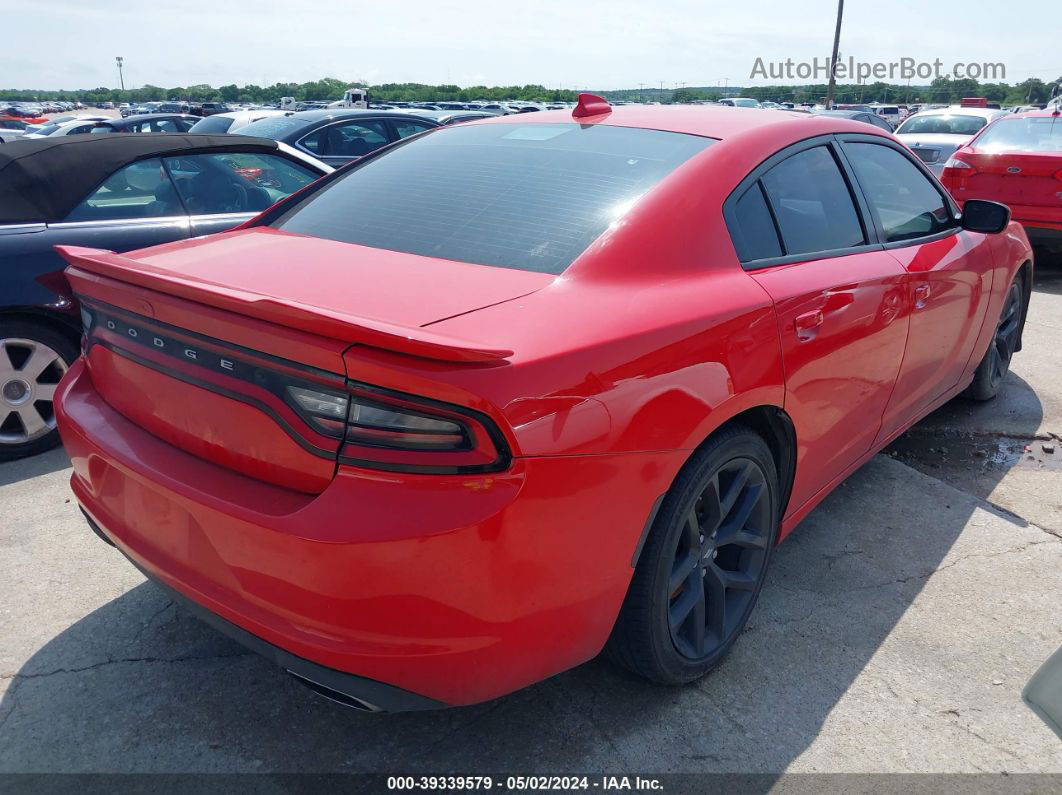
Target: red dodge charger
502, 395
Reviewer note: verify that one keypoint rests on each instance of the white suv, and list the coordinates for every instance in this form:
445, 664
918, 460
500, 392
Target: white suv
890, 113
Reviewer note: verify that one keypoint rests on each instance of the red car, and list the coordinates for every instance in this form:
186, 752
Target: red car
454, 419
1016, 160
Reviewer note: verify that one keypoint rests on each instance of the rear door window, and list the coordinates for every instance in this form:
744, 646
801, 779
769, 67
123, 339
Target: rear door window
812, 203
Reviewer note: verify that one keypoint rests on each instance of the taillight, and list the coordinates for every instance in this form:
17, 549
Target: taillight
955, 164
382, 429
1058, 175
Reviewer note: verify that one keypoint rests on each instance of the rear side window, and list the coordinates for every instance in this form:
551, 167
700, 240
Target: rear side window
753, 229
404, 129
138, 190
812, 203
346, 139
530, 197
906, 202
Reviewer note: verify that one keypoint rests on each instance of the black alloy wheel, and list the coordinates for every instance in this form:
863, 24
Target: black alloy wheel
704, 561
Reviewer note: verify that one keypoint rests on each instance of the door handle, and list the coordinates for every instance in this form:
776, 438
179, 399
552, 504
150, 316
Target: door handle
807, 323
921, 295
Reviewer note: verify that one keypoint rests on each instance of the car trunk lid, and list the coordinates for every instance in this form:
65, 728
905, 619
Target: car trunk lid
1018, 179
199, 343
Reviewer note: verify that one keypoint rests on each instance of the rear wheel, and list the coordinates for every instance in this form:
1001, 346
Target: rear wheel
988, 378
32, 360
703, 564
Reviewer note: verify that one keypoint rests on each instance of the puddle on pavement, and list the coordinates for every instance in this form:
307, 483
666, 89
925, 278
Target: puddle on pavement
987, 453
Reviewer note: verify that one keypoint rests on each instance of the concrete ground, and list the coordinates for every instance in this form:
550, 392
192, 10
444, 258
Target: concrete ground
897, 629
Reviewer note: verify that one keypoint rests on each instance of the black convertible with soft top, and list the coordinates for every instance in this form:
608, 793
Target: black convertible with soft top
118, 192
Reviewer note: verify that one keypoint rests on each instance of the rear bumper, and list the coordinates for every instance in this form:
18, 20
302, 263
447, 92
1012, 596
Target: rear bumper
402, 591
347, 689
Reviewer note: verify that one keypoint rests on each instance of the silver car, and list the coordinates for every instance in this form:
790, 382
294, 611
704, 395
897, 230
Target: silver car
934, 134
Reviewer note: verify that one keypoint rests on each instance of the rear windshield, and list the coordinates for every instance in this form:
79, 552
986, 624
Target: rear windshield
530, 197
273, 127
212, 124
943, 123
1022, 135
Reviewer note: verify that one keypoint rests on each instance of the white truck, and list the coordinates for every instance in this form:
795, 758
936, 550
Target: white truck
352, 98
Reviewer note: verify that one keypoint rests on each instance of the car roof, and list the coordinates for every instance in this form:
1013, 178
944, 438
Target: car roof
720, 122
449, 113
959, 110
1035, 114
342, 113
149, 116
43, 179
264, 113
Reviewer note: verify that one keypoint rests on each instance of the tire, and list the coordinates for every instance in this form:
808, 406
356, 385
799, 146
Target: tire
991, 372
33, 358
651, 637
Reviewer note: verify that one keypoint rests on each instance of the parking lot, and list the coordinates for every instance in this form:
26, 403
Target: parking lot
906, 613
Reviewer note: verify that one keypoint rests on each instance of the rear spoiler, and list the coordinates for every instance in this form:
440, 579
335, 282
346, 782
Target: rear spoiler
414, 341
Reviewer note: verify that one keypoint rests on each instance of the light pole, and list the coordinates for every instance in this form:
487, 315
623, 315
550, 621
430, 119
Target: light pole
118, 59
833, 60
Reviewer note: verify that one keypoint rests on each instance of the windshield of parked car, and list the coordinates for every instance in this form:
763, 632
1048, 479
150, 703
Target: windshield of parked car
530, 197
1023, 135
746, 103
212, 124
943, 123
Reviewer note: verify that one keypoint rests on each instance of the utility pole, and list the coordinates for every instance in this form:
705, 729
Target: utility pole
833, 58
641, 92
121, 79
726, 86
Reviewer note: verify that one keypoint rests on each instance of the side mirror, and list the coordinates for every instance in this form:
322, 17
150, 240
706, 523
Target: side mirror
979, 215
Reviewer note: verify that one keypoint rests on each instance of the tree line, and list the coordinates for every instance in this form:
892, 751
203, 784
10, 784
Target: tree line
942, 90
328, 88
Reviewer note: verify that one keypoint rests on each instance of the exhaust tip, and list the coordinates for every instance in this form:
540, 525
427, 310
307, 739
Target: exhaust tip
334, 695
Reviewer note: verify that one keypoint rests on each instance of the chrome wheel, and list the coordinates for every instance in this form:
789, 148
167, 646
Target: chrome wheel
29, 374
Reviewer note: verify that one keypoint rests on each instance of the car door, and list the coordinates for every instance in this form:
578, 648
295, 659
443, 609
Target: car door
840, 300
340, 142
949, 272
222, 190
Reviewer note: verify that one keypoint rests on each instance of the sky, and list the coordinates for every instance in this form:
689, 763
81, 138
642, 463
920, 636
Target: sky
607, 44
